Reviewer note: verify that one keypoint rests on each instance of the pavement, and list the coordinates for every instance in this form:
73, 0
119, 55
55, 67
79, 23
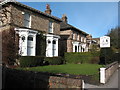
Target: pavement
112, 84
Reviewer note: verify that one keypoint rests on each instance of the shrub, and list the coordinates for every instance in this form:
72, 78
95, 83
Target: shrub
31, 61
106, 55
95, 60
54, 60
80, 57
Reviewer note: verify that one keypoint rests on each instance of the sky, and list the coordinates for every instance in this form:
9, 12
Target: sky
94, 18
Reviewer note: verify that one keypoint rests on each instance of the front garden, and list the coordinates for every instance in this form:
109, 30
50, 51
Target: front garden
77, 64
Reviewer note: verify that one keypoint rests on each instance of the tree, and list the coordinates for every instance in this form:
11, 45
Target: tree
115, 39
109, 55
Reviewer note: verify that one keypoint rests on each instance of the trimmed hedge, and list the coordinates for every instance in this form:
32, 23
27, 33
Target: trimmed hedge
54, 60
82, 57
31, 61
108, 55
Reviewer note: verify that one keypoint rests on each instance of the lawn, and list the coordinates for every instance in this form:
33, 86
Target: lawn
76, 69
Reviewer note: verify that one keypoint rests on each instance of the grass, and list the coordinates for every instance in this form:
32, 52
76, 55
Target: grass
76, 69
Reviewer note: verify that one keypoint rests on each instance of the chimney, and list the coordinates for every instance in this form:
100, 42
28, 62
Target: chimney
64, 18
48, 10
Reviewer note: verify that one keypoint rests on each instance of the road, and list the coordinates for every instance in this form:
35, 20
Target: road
112, 84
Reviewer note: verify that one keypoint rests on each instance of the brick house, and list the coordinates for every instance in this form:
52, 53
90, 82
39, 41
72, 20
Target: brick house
28, 23
72, 38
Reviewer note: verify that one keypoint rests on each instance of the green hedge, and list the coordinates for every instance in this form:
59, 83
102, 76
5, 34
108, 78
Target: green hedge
108, 55
54, 60
31, 61
81, 57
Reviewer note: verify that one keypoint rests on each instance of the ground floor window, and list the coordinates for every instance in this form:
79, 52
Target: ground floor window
27, 42
52, 45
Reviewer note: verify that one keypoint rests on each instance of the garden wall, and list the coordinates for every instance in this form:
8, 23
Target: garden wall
27, 79
107, 72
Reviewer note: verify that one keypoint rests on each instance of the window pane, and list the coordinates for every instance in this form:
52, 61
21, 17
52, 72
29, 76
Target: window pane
27, 16
30, 38
54, 42
26, 23
26, 20
50, 30
49, 41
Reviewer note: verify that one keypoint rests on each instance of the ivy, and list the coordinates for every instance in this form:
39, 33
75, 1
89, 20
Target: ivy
40, 44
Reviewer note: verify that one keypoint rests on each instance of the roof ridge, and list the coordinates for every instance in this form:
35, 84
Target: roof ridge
31, 8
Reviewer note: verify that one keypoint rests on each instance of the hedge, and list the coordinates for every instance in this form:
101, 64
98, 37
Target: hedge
108, 55
31, 61
54, 60
82, 57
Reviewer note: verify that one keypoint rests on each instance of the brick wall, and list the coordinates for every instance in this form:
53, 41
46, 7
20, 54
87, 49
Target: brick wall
67, 36
5, 15
27, 79
69, 46
38, 21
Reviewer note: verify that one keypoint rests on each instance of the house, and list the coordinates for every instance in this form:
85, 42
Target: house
27, 24
72, 38
96, 43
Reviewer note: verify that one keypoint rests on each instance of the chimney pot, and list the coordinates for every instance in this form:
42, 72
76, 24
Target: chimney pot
48, 10
64, 18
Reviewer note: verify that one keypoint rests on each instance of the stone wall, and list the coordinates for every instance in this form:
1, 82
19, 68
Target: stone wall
107, 72
27, 79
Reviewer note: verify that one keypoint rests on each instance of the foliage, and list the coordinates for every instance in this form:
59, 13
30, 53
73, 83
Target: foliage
115, 37
107, 55
9, 48
54, 60
94, 48
81, 57
31, 61
40, 44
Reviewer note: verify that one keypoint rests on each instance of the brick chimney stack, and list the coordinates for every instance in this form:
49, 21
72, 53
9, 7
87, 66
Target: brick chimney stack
64, 18
48, 10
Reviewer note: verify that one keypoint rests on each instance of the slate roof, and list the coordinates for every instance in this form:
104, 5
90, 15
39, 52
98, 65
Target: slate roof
32, 9
66, 26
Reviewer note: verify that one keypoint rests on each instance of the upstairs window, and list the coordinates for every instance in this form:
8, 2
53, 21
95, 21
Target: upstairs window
26, 19
77, 36
50, 29
73, 35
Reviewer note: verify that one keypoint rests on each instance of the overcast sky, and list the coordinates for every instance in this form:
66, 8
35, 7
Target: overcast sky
95, 18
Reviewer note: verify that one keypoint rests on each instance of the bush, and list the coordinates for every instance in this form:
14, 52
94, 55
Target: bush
31, 61
80, 57
54, 60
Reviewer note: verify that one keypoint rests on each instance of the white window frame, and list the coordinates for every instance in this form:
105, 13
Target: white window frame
73, 35
78, 36
28, 25
84, 39
50, 28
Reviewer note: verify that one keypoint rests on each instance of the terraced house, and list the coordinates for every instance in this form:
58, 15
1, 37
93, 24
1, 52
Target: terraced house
72, 38
27, 24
